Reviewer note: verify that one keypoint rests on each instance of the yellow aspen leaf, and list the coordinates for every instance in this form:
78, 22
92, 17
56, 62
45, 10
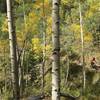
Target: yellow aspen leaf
4, 27
75, 28
49, 20
49, 30
36, 45
88, 37
89, 14
48, 47
64, 1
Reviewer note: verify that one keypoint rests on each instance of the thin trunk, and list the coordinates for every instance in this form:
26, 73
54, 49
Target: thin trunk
67, 72
56, 50
25, 24
13, 55
22, 53
82, 43
19, 64
22, 74
5, 89
26, 59
44, 49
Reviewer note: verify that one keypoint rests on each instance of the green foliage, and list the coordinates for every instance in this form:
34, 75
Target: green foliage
30, 19
3, 6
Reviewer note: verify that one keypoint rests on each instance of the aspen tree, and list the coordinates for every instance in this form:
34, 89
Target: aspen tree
56, 50
13, 55
82, 44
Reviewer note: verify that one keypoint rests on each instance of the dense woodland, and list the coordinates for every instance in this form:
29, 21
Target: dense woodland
46, 49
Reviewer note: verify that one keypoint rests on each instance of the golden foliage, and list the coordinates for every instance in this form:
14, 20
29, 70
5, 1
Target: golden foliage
4, 27
65, 1
36, 45
75, 28
88, 37
49, 28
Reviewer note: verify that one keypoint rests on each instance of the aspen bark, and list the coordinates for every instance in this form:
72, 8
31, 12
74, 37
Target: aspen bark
82, 44
13, 55
22, 74
44, 49
56, 50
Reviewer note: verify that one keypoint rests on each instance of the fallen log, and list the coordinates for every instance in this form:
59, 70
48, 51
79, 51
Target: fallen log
68, 96
38, 97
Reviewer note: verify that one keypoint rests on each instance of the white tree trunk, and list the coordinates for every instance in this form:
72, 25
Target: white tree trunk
12, 42
56, 51
44, 48
82, 44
